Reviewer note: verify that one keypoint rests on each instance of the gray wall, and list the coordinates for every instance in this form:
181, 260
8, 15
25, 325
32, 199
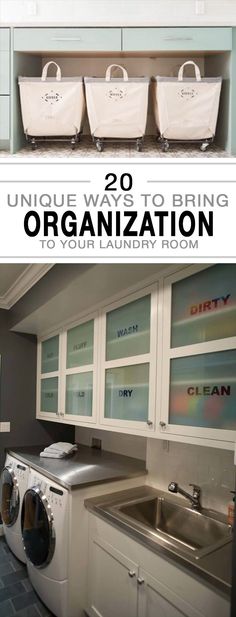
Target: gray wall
18, 393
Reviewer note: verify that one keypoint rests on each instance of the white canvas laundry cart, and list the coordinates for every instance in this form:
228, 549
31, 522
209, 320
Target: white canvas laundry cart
186, 108
117, 107
52, 107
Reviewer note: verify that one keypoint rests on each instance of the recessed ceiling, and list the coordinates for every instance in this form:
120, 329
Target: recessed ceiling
17, 279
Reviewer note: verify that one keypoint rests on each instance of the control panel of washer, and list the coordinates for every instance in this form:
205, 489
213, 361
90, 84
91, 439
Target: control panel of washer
20, 470
55, 495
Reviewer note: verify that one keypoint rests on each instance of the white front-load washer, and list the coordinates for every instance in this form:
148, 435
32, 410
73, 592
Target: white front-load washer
14, 482
45, 517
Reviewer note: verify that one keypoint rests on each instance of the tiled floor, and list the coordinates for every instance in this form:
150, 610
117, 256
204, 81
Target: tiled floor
86, 148
17, 596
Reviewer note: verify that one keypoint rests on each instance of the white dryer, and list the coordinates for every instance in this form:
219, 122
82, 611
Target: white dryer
45, 517
14, 482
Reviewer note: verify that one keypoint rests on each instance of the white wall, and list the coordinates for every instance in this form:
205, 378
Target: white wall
122, 12
213, 470
128, 445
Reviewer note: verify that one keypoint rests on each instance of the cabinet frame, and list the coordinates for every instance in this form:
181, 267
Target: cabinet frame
147, 358
45, 415
88, 368
62, 373
221, 437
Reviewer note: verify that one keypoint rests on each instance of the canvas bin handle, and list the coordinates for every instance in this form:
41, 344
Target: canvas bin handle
109, 71
197, 71
45, 71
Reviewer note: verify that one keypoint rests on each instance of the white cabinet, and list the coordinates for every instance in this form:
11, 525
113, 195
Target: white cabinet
128, 362
102, 370
158, 361
199, 355
67, 374
126, 579
112, 582
48, 383
79, 379
118, 586
156, 600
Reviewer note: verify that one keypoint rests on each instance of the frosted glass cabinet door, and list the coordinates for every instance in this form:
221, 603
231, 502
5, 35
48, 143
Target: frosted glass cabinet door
203, 390
204, 306
79, 394
80, 345
49, 395
50, 355
128, 330
127, 393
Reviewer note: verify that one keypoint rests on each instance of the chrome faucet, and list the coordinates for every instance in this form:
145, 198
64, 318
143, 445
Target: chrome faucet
194, 498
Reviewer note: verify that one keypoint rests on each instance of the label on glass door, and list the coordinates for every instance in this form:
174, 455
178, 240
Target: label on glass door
204, 306
127, 393
203, 390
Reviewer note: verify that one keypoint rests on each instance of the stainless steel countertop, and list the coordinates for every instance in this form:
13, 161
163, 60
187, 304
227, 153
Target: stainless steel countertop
215, 568
85, 467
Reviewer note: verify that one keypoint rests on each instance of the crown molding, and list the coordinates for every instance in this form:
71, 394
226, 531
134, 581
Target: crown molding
32, 274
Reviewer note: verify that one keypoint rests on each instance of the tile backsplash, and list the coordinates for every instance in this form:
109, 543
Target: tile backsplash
213, 470
128, 445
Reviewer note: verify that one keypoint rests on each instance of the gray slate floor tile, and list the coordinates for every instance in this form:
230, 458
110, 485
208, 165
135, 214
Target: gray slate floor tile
10, 591
17, 597
6, 609
24, 600
9, 579
30, 611
6, 568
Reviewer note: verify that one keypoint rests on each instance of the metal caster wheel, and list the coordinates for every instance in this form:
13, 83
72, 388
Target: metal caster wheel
33, 145
139, 146
99, 146
73, 144
165, 147
204, 146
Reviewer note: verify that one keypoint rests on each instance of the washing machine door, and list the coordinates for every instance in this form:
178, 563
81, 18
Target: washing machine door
10, 497
37, 528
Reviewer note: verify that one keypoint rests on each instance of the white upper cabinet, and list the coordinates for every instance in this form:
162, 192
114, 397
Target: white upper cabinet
48, 377
199, 354
160, 361
79, 381
128, 362
70, 392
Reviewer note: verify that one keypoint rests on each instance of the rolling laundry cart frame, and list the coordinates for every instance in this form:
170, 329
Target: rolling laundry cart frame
34, 141
190, 90
101, 141
110, 92
166, 143
29, 107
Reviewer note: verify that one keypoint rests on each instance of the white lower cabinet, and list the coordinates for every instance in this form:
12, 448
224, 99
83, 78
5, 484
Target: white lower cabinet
125, 579
156, 600
112, 582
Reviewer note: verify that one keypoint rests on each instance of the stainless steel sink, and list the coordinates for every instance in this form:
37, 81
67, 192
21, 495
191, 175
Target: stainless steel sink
198, 533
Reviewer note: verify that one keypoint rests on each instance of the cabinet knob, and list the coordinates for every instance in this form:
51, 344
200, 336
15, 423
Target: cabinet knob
149, 423
140, 580
131, 573
162, 424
